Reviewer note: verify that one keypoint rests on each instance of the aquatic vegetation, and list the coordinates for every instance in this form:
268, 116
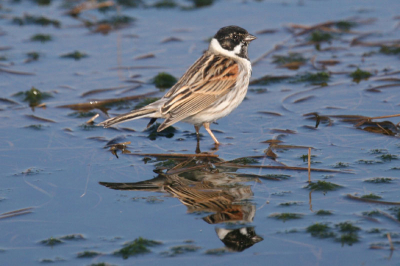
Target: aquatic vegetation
389, 50
178, 250
279, 176
359, 74
216, 251
259, 90
145, 101
82, 114
43, 2
88, 254
388, 157
379, 180
290, 58
33, 56
41, 38
35, 20
130, 3
153, 134
245, 161
345, 25
396, 212
378, 151
371, 213
137, 247
165, 4
35, 127
73, 237
350, 235
117, 21
348, 239
202, 3
371, 196
313, 78
33, 96
290, 203
320, 36
374, 231
341, 165
323, 212
286, 216
266, 80
101, 264
51, 241
75, 55
320, 230
347, 227
368, 161
164, 80
323, 186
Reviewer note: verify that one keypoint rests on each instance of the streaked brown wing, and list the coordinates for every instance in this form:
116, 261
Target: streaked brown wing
210, 78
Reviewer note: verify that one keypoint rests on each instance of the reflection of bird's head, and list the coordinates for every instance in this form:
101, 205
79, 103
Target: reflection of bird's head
238, 239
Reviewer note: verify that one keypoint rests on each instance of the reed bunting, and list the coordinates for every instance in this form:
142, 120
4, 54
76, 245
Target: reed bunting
210, 89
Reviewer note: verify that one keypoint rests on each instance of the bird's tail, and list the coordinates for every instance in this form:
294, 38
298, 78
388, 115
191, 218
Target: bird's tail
136, 114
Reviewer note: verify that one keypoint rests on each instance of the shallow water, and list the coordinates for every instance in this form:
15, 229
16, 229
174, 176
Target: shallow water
61, 171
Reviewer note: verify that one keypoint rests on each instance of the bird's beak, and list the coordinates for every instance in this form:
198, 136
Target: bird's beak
250, 38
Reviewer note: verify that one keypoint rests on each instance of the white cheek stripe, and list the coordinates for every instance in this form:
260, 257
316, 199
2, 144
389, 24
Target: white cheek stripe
217, 49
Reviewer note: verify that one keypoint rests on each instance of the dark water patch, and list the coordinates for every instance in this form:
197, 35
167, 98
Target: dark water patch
102, 264
179, 250
164, 80
375, 231
137, 247
75, 55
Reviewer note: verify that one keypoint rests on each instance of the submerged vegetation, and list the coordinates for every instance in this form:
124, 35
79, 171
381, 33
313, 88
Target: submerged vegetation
164, 80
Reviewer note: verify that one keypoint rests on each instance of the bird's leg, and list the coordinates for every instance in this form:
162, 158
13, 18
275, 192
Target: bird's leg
207, 127
197, 128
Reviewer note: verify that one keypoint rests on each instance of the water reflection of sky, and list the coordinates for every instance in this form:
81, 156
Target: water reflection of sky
57, 170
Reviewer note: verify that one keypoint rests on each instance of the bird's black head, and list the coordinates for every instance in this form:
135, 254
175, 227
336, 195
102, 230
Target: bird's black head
234, 38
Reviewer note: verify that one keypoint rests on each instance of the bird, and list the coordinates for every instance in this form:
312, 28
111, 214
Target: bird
210, 89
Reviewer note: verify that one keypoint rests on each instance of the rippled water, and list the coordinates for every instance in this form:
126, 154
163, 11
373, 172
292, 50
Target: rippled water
71, 194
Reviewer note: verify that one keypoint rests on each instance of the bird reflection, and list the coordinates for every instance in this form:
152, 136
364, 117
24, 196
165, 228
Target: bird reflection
209, 189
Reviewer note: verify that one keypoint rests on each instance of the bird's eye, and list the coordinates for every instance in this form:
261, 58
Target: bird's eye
235, 37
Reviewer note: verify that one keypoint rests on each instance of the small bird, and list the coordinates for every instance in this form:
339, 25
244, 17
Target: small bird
210, 89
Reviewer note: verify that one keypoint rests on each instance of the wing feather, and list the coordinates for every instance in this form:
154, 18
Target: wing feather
210, 78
